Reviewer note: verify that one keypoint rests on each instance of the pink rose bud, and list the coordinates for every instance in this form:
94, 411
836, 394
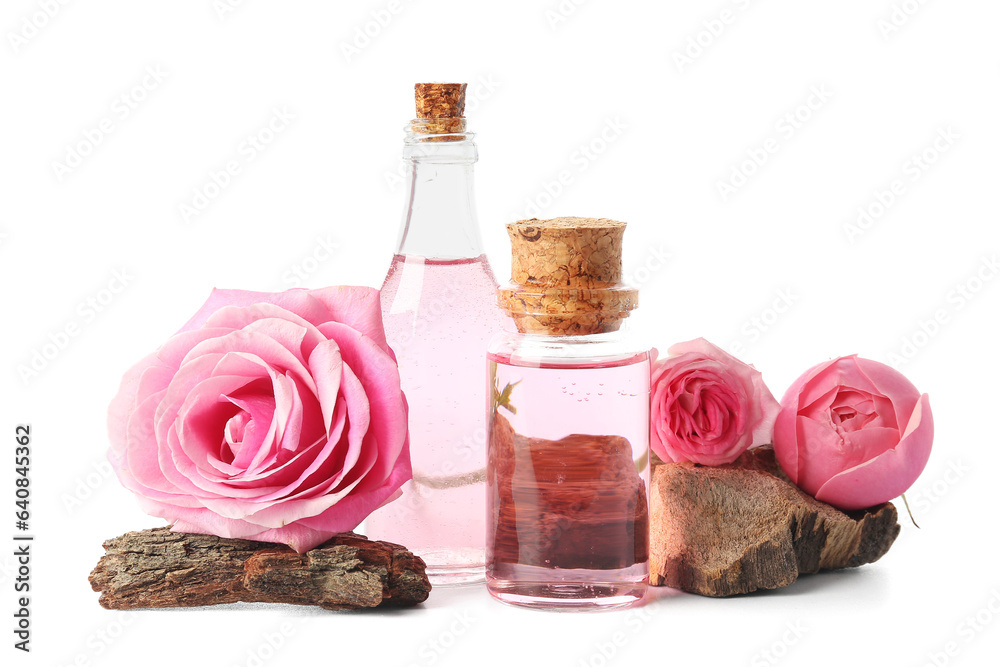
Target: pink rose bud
272, 417
853, 432
707, 406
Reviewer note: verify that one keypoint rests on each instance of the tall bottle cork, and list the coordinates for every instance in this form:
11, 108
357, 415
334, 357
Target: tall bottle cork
566, 276
440, 108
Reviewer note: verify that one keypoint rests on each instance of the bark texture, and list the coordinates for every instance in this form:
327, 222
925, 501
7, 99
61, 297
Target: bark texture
576, 502
734, 529
160, 568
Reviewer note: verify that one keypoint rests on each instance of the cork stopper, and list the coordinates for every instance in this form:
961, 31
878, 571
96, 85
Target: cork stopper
566, 276
440, 109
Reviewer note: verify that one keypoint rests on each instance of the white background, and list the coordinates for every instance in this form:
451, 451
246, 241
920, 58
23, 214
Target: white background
892, 77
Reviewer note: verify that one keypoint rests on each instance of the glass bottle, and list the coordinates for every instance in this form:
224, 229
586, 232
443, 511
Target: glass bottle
568, 455
439, 308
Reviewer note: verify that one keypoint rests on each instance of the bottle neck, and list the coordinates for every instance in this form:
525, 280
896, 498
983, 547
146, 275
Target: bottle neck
439, 220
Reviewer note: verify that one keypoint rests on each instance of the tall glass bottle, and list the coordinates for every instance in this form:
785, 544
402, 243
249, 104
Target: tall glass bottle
439, 309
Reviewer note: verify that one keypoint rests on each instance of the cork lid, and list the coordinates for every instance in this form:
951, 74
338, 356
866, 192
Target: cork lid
566, 276
440, 109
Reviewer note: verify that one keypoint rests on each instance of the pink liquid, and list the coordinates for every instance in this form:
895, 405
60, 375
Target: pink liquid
567, 484
439, 316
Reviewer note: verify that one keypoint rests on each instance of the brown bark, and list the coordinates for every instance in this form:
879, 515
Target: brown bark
576, 502
733, 529
160, 568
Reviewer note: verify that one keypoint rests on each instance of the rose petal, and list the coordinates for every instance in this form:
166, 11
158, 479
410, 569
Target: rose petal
326, 366
251, 422
378, 374
786, 425
819, 447
890, 382
891, 473
707, 406
356, 308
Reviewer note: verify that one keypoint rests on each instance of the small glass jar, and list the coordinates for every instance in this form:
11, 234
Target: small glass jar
568, 450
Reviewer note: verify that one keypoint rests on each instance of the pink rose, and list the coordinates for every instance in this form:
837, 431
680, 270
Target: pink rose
707, 406
853, 432
273, 417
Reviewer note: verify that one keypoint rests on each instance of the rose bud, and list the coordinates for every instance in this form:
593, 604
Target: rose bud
272, 417
707, 406
853, 432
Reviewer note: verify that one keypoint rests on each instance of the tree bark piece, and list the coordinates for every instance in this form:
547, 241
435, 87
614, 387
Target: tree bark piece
576, 502
161, 568
733, 529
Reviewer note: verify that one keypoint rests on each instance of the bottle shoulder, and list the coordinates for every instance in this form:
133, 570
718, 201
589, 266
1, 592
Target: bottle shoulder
613, 348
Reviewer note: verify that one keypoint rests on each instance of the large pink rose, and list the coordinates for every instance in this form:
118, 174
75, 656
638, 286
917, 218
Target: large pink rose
273, 417
853, 432
707, 406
